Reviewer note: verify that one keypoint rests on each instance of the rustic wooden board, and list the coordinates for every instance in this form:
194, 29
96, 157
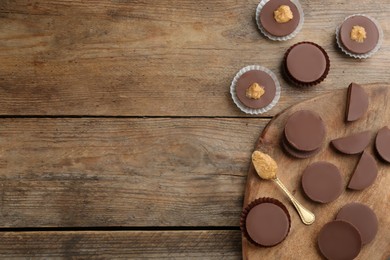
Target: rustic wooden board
161, 57
121, 245
301, 241
72, 172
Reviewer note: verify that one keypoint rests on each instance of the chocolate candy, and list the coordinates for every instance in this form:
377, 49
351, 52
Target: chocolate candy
339, 240
296, 153
265, 222
264, 80
306, 64
372, 34
322, 182
357, 102
365, 172
382, 143
304, 131
361, 217
268, 22
353, 144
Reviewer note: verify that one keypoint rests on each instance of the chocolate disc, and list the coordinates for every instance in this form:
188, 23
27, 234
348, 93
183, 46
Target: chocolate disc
365, 172
339, 240
361, 217
305, 131
322, 182
267, 224
382, 143
372, 34
353, 144
357, 102
296, 153
267, 20
264, 80
306, 63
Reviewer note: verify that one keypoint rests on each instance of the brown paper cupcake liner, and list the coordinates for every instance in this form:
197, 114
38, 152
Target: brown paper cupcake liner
306, 84
254, 203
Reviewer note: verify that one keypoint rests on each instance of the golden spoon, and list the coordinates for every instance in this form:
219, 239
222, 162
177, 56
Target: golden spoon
266, 168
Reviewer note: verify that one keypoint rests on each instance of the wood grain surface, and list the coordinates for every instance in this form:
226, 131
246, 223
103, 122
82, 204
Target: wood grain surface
118, 113
121, 245
124, 172
302, 239
159, 58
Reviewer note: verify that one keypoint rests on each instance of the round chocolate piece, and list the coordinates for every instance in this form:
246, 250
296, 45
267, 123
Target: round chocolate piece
382, 143
361, 217
305, 131
339, 240
352, 144
322, 182
268, 22
261, 78
296, 153
266, 222
306, 64
372, 34
365, 172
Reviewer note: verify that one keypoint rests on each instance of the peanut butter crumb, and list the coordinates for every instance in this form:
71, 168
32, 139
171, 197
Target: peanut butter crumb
358, 34
255, 91
265, 166
283, 14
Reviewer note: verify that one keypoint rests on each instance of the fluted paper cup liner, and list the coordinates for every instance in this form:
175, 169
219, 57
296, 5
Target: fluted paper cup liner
249, 110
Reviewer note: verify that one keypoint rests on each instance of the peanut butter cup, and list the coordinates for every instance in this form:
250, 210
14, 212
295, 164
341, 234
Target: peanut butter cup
359, 35
352, 144
306, 64
357, 102
322, 182
362, 217
382, 143
304, 134
255, 89
279, 19
365, 172
265, 222
339, 240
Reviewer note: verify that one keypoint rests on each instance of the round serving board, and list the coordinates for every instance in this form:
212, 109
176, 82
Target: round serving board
301, 243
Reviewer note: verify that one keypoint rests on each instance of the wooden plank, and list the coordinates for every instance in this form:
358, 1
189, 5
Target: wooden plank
124, 172
121, 244
158, 58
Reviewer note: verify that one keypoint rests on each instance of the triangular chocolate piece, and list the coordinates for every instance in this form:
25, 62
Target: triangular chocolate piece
357, 102
382, 143
353, 144
365, 172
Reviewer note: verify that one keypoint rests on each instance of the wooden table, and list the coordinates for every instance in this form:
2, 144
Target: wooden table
118, 136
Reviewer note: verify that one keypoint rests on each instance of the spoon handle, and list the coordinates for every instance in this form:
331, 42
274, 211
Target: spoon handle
307, 216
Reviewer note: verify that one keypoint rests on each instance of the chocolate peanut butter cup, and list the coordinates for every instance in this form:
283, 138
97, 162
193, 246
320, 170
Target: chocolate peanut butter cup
352, 144
306, 64
265, 222
304, 134
322, 182
359, 36
382, 144
255, 89
339, 240
279, 19
362, 217
365, 172
296, 153
357, 102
